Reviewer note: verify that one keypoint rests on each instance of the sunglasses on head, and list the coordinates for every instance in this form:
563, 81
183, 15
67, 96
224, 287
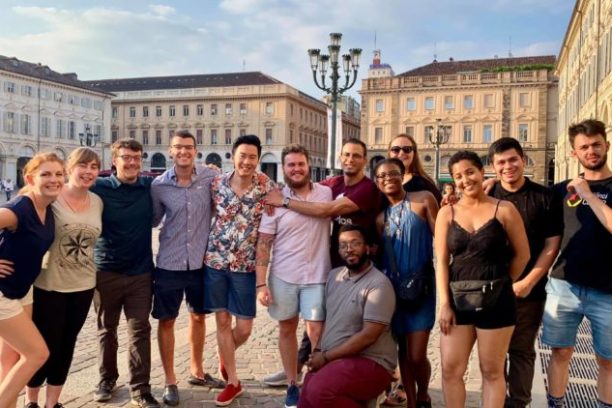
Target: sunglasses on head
405, 149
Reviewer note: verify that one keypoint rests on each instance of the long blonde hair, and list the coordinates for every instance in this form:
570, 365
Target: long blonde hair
416, 167
34, 164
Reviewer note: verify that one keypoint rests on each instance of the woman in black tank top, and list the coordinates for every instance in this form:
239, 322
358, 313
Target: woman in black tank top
477, 239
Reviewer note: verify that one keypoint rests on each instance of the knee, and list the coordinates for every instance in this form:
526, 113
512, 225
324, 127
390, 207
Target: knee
453, 370
197, 319
166, 325
605, 365
38, 356
491, 370
286, 330
224, 322
242, 333
562, 355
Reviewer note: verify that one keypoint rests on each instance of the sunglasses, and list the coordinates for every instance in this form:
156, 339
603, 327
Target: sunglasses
405, 149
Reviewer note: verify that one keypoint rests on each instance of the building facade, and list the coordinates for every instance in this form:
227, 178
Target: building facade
44, 110
475, 101
216, 109
584, 69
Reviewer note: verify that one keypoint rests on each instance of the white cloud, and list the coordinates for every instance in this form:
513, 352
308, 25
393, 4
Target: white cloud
162, 10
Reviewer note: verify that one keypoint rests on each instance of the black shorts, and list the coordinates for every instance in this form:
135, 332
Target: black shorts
503, 314
169, 288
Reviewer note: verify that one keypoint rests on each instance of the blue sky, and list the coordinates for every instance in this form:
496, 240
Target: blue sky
116, 39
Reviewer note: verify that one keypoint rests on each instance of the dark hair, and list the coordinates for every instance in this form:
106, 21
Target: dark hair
354, 140
294, 148
185, 134
416, 167
356, 227
464, 155
248, 140
451, 185
589, 127
503, 144
394, 161
127, 143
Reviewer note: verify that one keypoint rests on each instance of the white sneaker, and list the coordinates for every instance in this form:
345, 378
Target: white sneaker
279, 379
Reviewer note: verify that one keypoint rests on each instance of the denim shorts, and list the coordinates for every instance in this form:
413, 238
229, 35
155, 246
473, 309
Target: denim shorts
291, 299
168, 290
566, 305
233, 292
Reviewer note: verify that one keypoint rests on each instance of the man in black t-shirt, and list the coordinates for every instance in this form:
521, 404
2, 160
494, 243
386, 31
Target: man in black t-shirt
581, 281
533, 202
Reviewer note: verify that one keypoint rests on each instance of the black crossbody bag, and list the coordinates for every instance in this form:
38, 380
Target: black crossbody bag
477, 295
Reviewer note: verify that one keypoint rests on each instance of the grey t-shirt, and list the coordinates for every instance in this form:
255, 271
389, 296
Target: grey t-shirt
350, 301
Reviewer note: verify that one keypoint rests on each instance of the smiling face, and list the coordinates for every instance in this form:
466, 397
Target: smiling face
246, 158
128, 163
47, 180
389, 179
399, 150
296, 170
509, 166
183, 151
468, 178
353, 159
83, 175
591, 151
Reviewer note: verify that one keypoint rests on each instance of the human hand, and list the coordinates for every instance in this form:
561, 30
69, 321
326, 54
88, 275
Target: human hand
488, 185
274, 198
316, 360
579, 186
264, 296
6, 268
521, 288
446, 318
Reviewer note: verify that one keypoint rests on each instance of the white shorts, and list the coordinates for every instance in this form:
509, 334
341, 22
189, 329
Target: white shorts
12, 307
291, 299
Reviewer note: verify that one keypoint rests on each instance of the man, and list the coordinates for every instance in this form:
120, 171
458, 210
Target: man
581, 283
534, 203
356, 201
357, 353
229, 278
8, 188
124, 261
182, 196
299, 266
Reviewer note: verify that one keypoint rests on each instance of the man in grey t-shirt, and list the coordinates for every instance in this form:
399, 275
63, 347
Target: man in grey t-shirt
357, 353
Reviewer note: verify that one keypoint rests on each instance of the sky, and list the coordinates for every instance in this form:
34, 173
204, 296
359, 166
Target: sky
134, 38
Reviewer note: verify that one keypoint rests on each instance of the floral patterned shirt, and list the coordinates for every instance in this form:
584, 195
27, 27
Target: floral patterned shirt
233, 236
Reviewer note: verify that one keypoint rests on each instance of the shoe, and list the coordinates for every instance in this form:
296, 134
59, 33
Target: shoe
293, 396
423, 404
58, 405
171, 395
31, 405
279, 379
223, 371
145, 400
104, 391
207, 381
229, 394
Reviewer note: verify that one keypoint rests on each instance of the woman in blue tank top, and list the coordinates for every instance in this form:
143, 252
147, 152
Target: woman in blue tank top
27, 229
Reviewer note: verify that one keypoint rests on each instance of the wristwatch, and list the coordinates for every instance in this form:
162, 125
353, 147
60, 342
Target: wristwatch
286, 202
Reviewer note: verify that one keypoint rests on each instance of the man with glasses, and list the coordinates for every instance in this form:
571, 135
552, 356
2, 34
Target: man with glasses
124, 261
182, 195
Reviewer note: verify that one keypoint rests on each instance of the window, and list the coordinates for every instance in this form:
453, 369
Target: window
114, 136
410, 131
9, 87
378, 135
172, 111
158, 111
132, 111
410, 104
269, 108
228, 136
524, 100
45, 93
145, 111
132, 134
158, 137
26, 90
243, 109
45, 126
467, 134
200, 110
243, 132
468, 102
523, 132
380, 106
71, 130
114, 113
448, 103
213, 136
61, 129
58, 96
26, 124
487, 133
488, 101
429, 103
228, 108
213, 109
268, 136
185, 110
199, 138
86, 103
145, 137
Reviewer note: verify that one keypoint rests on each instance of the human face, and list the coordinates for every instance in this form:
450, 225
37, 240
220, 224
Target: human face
47, 180
296, 170
353, 159
406, 158
448, 189
183, 151
391, 183
83, 175
509, 166
353, 249
468, 178
128, 163
245, 160
591, 151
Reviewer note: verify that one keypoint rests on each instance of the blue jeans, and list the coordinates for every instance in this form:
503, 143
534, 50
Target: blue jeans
230, 291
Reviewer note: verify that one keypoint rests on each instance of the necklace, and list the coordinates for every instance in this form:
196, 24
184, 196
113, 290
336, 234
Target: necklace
399, 216
81, 205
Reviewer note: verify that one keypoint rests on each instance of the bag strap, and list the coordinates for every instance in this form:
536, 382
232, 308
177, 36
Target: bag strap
390, 252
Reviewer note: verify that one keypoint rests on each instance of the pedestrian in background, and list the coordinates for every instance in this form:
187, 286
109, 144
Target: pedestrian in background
8, 188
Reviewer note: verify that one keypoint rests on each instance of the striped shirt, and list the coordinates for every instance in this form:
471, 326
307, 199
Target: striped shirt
187, 209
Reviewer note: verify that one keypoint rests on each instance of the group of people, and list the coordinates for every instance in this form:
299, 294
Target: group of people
354, 257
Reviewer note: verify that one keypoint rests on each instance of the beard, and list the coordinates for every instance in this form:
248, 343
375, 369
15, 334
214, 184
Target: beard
597, 166
363, 259
293, 185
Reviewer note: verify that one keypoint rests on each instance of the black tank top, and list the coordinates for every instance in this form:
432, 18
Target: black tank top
484, 254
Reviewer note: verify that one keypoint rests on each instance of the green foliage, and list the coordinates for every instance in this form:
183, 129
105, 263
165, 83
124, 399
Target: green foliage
524, 67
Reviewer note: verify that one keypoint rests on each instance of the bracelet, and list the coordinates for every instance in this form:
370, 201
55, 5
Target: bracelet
261, 285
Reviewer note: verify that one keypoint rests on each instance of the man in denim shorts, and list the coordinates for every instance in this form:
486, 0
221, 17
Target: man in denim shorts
581, 283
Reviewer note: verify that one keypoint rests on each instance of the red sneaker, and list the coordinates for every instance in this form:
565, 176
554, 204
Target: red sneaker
229, 394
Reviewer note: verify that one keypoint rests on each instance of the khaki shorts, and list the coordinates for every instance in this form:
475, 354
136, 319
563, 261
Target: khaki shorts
12, 307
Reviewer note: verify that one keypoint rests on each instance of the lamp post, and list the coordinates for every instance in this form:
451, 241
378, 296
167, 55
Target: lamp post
350, 64
88, 139
441, 137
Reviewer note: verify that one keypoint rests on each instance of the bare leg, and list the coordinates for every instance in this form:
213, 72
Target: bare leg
492, 349
314, 330
415, 367
165, 340
229, 340
197, 333
53, 394
558, 371
604, 380
455, 349
287, 345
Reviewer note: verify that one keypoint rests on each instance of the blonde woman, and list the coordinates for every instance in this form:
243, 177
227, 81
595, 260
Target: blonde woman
27, 229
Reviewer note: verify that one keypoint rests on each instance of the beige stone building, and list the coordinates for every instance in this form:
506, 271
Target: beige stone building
584, 69
218, 108
478, 101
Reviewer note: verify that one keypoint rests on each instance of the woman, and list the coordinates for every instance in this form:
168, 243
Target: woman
487, 241
64, 290
450, 196
415, 178
26, 232
406, 227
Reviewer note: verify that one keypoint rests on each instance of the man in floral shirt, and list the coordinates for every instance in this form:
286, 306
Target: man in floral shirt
229, 279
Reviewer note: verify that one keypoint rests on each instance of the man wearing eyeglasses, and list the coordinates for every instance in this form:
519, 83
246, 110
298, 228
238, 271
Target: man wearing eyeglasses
124, 261
182, 195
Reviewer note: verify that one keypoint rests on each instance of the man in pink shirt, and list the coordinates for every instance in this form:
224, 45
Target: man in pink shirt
299, 266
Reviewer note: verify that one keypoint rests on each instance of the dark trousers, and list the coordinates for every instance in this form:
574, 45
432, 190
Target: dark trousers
59, 317
521, 354
133, 294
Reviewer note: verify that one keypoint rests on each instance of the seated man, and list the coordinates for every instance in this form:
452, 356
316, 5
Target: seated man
357, 353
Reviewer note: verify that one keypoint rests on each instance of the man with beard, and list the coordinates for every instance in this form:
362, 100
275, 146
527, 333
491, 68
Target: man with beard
300, 264
580, 283
357, 353
535, 204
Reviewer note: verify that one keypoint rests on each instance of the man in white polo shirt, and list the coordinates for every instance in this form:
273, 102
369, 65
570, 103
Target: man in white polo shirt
299, 266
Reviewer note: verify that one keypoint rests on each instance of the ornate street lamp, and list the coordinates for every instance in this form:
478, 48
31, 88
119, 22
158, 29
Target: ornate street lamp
88, 139
441, 137
350, 64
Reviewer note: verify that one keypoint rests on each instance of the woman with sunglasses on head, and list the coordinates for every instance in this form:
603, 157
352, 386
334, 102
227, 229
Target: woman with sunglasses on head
64, 289
26, 232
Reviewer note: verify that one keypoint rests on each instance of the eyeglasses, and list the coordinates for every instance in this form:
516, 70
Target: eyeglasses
352, 244
405, 149
128, 158
391, 174
183, 147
